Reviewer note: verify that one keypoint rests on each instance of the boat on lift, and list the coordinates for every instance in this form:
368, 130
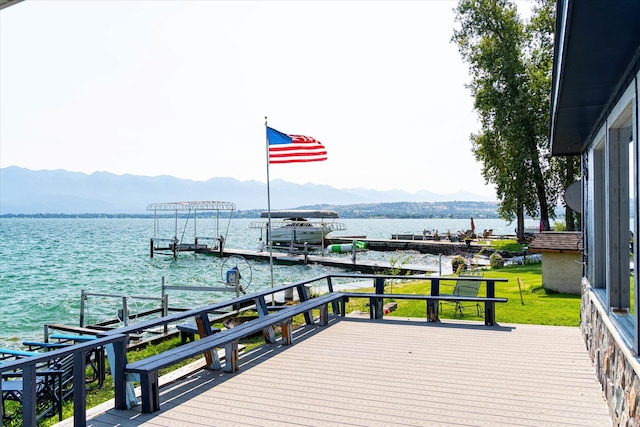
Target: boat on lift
298, 226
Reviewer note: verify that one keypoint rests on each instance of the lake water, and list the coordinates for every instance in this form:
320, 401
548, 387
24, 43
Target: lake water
45, 263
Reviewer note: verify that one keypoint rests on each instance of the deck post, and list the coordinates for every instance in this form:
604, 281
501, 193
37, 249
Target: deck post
165, 305
79, 389
29, 396
375, 304
335, 305
489, 306
117, 353
432, 305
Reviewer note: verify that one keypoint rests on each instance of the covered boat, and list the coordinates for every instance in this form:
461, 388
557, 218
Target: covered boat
299, 226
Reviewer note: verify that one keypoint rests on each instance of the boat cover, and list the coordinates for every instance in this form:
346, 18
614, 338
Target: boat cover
300, 213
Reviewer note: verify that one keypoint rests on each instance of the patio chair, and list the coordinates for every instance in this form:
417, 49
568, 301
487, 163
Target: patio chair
53, 385
465, 288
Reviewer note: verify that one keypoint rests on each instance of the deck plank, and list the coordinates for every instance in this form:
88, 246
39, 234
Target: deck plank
359, 372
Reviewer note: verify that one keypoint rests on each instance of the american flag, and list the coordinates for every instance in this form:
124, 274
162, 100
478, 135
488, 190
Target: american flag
285, 148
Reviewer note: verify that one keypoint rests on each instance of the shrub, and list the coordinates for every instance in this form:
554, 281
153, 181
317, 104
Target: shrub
496, 260
559, 226
458, 263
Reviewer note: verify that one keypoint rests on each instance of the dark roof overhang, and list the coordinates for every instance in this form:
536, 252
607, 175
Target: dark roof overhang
7, 3
597, 54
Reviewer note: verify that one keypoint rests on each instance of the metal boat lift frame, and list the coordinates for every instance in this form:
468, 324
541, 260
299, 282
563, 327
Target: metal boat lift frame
174, 245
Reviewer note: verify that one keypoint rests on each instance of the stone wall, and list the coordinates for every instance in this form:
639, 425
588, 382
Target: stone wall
617, 368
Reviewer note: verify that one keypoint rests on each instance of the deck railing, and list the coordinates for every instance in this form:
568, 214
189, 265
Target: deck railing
118, 337
27, 366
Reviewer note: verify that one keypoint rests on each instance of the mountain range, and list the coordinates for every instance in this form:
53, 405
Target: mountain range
25, 191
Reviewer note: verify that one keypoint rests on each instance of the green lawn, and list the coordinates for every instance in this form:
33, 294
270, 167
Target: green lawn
540, 307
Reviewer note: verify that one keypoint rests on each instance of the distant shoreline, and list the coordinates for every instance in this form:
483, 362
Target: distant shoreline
237, 215
397, 210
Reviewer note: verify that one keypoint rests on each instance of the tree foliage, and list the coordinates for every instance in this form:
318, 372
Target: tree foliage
510, 63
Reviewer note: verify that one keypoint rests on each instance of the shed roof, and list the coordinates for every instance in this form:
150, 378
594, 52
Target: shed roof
557, 241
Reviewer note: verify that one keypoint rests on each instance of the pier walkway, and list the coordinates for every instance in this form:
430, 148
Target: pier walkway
362, 372
343, 262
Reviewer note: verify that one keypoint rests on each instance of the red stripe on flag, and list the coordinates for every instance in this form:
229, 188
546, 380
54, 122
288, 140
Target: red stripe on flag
303, 149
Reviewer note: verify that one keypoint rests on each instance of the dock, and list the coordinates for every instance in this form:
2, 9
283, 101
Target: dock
344, 262
434, 247
285, 255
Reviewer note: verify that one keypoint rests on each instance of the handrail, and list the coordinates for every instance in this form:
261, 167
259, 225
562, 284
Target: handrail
79, 351
118, 337
302, 294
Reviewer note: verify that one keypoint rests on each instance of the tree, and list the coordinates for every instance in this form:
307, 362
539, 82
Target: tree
565, 171
562, 171
510, 65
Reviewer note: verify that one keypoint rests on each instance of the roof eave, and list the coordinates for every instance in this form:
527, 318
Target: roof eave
596, 53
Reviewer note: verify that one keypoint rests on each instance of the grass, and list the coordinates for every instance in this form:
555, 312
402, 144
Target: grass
508, 245
540, 307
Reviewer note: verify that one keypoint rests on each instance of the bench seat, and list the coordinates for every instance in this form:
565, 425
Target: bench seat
431, 300
444, 297
148, 368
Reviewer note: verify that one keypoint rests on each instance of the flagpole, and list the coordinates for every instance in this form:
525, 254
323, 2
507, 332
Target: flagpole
269, 214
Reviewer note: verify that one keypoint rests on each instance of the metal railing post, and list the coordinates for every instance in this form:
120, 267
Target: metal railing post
83, 297
125, 309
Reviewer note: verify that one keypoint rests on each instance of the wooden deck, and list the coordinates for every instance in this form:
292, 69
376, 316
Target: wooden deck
359, 372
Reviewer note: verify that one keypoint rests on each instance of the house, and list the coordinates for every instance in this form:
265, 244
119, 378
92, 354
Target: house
594, 113
561, 260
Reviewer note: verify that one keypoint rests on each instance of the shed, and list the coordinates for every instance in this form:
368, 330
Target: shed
561, 260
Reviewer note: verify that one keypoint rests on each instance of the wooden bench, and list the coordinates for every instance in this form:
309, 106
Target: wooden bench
375, 303
148, 368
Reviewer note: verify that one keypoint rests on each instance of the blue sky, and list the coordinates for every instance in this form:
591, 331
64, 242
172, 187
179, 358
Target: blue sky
183, 88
